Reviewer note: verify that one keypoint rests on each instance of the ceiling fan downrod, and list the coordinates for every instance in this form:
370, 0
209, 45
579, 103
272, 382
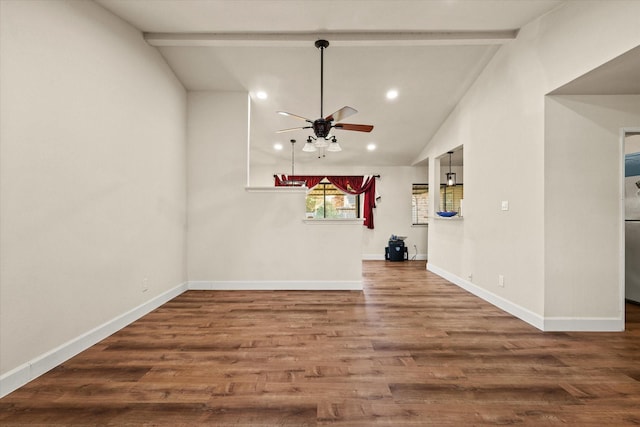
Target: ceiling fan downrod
323, 125
322, 45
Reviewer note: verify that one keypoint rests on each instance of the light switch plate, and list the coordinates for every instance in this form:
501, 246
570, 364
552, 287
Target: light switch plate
505, 205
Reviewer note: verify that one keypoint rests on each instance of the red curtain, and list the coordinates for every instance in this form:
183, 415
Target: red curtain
355, 185
349, 184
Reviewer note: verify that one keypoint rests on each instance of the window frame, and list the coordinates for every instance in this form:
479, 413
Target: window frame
415, 211
324, 183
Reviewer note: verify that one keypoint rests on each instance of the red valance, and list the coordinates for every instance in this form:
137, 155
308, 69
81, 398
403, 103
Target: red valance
310, 180
349, 184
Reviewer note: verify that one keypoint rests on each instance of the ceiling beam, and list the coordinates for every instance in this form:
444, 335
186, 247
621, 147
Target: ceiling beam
337, 38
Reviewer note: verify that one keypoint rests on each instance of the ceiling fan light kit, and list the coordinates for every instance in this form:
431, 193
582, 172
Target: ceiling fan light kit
322, 127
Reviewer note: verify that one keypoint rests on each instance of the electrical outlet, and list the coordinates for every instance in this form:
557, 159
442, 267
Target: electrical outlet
470, 277
145, 284
505, 205
501, 280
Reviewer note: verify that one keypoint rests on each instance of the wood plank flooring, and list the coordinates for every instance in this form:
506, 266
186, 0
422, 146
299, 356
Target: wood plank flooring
411, 350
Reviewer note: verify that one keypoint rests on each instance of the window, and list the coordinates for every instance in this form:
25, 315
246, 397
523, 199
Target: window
420, 201
453, 196
419, 204
451, 166
325, 201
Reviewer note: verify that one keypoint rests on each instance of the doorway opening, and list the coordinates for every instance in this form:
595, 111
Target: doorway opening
631, 197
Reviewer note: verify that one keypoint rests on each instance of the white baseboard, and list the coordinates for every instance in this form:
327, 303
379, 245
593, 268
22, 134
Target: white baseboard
380, 257
28, 371
352, 285
503, 304
583, 324
546, 324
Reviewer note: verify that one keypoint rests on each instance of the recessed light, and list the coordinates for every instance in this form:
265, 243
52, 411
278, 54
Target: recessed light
261, 95
392, 94
371, 147
277, 146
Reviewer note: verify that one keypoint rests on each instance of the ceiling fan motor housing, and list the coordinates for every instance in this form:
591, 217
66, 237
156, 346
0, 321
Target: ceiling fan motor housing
321, 127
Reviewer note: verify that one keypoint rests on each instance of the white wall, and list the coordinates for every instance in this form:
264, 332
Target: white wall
240, 239
501, 124
92, 175
583, 219
393, 212
632, 144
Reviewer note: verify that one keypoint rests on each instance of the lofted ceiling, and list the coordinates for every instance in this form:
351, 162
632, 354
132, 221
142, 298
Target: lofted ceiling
430, 51
620, 76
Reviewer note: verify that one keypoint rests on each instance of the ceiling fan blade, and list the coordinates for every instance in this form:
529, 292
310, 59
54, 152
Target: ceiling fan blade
284, 113
290, 129
342, 113
351, 126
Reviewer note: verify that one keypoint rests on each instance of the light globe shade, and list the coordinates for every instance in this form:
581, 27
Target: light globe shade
309, 147
334, 147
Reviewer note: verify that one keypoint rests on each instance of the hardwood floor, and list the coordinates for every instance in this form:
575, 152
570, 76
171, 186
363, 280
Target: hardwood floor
411, 350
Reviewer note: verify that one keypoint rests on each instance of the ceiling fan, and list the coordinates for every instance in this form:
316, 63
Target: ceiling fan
322, 126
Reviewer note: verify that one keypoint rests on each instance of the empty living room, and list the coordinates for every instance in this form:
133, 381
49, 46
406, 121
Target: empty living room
314, 213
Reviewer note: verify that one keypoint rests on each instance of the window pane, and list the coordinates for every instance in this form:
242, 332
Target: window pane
345, 206
326, 201
419, 203
453, 196
314, 205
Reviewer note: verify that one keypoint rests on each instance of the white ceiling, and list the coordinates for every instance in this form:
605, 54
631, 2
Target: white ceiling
431, 51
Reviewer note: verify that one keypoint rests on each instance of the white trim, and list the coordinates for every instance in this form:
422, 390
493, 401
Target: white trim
248, 139
334, 221
583, 324
264, 285
380, 257
503, 304
32, 369
622, 272
550, 324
